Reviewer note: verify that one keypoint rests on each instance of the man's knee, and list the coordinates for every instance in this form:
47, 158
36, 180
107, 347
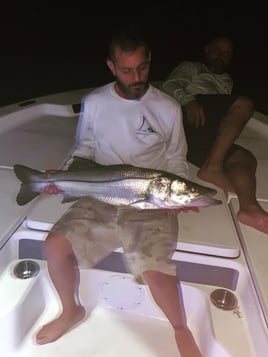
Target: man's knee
152, 277
245, 104
56, 244
242, 155
155, 276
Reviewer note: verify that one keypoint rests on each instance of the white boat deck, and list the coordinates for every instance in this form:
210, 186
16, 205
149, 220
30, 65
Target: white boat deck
40, 134
255, 243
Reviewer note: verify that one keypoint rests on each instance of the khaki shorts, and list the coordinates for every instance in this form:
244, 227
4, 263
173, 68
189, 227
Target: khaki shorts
95, 229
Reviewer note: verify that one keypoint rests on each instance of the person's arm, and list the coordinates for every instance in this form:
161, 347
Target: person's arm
84, 152
82, 157
80, 163
178, 81
177, 146
177, 85
176, 155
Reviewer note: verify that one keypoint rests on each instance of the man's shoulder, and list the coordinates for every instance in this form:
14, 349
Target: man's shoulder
156, 89
192, 64
162, 96
97, 92
157, 83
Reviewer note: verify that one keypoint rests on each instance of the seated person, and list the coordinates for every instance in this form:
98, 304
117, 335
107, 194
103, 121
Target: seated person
109, 132
213, 119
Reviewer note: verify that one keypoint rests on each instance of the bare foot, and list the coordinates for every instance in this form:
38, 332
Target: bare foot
256, 218
214, 175
186, 343
56, 328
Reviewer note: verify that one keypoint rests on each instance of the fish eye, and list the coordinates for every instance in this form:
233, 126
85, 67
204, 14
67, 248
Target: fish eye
193, 190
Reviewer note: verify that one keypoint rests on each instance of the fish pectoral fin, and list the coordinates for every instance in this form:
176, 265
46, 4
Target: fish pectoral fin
143, 204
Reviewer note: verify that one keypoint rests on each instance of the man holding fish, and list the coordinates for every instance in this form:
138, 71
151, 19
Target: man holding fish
124, 122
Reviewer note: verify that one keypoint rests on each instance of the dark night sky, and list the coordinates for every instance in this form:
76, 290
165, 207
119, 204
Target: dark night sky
52, 46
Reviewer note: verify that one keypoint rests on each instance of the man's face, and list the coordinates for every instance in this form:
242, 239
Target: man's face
218, 55
131, 70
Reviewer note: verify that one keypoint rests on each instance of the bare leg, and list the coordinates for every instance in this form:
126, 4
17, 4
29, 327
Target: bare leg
64, 274
229, 130
241, 171
164, 289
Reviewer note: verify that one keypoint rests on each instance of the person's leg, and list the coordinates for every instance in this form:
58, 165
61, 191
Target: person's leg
149, 239
166, 292
84, 234
240, 168
223, 163
229, 130
64, 274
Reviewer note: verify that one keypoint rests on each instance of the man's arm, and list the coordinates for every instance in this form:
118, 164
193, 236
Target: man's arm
84, 153
82, 157
176, 155
176, 85
178, 81
80, 163
176, 149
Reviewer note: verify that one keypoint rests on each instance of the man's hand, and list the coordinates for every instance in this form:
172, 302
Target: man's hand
187, 209
195, 114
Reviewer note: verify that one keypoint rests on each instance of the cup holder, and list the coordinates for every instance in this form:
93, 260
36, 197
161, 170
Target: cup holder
26, 269
224, 299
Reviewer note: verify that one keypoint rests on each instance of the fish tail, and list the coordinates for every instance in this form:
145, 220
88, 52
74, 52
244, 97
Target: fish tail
27, 176
26, 194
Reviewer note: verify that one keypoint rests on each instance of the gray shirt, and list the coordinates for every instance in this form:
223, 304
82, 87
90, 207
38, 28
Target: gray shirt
191, 78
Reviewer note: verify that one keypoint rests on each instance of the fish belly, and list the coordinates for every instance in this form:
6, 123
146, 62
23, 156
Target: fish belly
118, 193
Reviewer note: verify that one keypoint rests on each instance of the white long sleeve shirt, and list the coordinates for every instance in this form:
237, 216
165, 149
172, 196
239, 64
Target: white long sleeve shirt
191, 78
146, 132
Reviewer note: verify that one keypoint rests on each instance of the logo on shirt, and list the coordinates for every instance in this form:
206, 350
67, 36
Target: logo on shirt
145, 128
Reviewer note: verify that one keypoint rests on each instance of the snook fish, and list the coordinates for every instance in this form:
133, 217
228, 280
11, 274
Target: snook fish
119, 185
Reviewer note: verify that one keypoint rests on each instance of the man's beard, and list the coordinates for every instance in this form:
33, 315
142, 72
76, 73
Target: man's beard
217, 66
134, 90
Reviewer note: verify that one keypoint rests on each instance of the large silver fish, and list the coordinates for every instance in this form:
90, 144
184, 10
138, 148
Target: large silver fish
119, 185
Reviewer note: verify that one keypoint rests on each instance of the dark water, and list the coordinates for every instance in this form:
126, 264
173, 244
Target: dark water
53, 48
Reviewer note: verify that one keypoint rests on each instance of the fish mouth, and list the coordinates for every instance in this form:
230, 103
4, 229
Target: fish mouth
208, 192
206, 198
205, 201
